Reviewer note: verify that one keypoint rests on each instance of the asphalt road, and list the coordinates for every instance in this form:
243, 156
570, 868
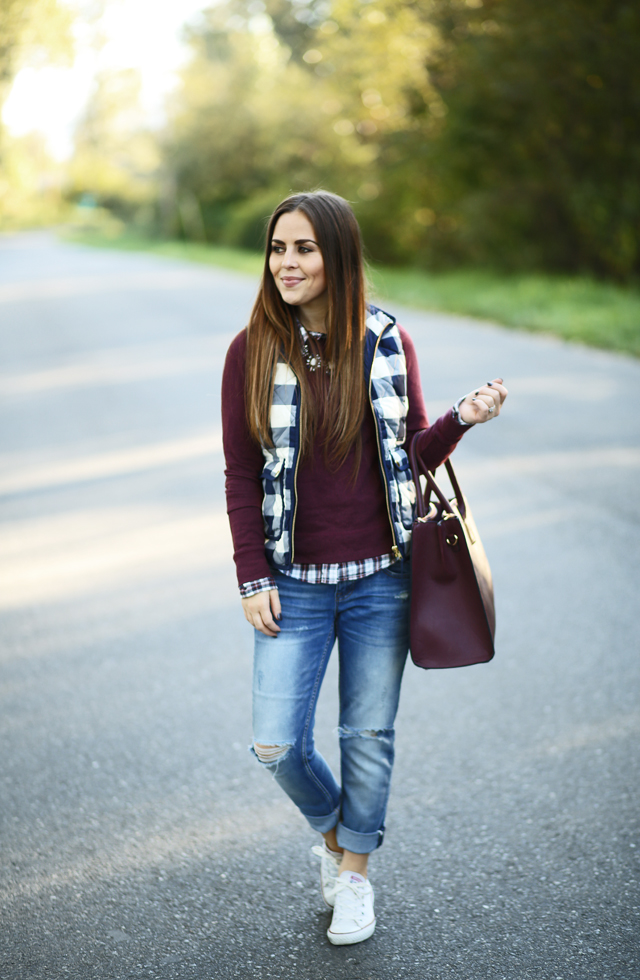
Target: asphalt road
139, 838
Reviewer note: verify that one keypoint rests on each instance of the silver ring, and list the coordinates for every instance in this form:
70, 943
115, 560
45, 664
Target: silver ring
492, 409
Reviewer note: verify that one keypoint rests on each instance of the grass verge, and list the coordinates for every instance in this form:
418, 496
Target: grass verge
573, 307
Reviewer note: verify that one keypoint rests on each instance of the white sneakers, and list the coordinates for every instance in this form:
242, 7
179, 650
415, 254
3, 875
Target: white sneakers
349, 895
329, 870
353, 917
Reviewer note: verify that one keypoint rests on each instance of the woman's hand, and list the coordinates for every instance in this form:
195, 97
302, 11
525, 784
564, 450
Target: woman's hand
483, 404
262, 610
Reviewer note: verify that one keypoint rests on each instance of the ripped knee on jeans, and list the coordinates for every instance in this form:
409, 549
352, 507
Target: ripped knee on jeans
270, 755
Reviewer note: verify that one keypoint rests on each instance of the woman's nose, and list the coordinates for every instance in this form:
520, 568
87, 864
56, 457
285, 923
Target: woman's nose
290, 258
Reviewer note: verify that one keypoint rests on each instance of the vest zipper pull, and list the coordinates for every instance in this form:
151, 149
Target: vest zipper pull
396, 552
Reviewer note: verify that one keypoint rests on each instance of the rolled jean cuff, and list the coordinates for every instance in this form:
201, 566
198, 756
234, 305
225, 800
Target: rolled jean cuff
358, 843
324, 824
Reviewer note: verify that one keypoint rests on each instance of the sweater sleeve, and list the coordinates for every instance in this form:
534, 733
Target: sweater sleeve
243, 466
440, 439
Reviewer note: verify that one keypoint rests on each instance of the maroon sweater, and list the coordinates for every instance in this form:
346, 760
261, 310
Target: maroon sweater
337, 520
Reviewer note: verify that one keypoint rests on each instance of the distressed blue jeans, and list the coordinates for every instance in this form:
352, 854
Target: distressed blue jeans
370, 620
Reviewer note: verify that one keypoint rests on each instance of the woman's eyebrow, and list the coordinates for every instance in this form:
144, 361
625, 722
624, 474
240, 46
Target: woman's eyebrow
298, 241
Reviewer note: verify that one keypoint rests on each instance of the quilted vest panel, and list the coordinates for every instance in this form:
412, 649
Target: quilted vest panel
386, 378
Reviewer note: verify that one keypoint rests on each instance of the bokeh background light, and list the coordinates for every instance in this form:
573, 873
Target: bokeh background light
122, 34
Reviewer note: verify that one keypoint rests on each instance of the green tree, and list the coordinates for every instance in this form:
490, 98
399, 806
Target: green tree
116, 157
541, 150
465, 131
32, 32
249, 125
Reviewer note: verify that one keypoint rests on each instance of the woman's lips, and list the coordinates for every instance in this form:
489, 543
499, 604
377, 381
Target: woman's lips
290, 281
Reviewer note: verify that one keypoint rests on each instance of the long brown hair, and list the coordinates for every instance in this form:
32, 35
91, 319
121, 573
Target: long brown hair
273, 330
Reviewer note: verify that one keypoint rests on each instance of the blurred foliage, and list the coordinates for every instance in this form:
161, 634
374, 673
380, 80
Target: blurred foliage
491, 132
117, 159
31, 183
256, 118
542, 143
32, 32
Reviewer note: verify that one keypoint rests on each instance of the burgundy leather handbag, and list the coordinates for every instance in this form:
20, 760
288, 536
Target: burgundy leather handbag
452, 609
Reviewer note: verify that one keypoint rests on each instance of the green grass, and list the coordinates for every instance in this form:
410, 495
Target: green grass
575, 308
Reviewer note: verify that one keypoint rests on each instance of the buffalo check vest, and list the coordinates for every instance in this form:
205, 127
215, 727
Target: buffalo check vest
386, 378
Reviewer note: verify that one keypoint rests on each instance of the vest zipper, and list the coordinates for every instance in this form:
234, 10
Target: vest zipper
295, 483
395, 549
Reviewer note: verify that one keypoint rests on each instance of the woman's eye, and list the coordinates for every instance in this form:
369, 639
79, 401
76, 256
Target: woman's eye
277, 248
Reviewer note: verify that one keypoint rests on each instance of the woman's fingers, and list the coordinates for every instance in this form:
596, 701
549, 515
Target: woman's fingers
268, 611
498, 385
258, 611
490, 396
265, 624
484, 403
274, 599
480, 405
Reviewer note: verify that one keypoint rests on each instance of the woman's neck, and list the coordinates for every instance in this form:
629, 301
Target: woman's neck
313, 315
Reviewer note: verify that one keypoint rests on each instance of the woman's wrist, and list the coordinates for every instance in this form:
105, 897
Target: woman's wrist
265, 584
456, 413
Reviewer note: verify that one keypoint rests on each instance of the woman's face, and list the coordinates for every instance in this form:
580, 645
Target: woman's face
296, 261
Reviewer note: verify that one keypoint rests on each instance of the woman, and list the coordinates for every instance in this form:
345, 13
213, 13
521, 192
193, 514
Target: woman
320, 398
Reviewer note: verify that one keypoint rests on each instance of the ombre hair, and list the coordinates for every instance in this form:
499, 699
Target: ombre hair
273, 331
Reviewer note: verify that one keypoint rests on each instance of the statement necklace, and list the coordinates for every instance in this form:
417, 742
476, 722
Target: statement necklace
312, 359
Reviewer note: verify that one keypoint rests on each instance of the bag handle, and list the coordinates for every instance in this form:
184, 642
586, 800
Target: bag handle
418, 467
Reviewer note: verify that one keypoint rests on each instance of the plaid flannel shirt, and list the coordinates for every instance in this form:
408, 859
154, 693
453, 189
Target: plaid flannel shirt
329, 574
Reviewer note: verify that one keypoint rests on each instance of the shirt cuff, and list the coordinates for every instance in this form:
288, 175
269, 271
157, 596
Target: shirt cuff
456, 413
258, 585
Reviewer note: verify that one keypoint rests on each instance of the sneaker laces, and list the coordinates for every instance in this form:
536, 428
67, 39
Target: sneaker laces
352, 898
323, 852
